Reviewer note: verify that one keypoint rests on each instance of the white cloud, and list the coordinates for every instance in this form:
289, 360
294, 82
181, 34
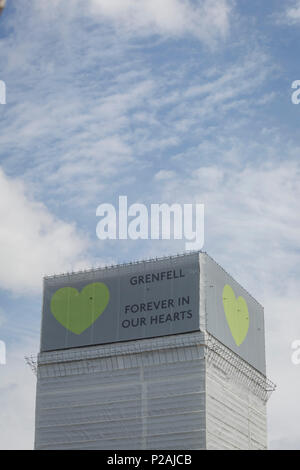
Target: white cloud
293, 13
32, 241
17, 390
289, 14
119, 126
164, 175
253, 208
207, 20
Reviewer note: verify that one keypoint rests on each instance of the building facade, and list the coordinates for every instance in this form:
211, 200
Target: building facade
193, 385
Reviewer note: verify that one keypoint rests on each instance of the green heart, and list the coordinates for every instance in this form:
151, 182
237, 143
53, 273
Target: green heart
237, 315
77, 311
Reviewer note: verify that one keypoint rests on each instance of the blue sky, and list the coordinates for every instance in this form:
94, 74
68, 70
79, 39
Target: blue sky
162, 101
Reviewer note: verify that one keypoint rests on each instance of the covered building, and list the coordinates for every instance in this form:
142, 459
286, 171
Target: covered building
159, 354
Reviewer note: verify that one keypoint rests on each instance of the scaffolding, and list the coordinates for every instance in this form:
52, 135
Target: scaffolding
231, 364
216, 354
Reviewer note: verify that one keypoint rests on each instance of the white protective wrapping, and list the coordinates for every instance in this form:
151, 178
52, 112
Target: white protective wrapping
174, 392
235, 414
147, 394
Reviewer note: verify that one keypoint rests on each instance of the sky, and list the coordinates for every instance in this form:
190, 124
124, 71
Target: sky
174, 101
